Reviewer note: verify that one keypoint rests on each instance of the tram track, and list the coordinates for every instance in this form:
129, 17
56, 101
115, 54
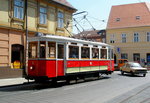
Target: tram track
123, 101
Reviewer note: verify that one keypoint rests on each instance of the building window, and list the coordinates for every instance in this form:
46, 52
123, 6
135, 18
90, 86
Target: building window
123, 38
137, 17
112, 38
19, 9
60, 18
148, 36
124, 56
136, 37
117, 19
43, 15
136, 57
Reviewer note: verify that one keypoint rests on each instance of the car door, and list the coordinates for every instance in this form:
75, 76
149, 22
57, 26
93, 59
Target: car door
128, 68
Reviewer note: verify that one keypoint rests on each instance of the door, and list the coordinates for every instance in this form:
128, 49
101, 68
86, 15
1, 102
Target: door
60, 59
148, 60
17, 55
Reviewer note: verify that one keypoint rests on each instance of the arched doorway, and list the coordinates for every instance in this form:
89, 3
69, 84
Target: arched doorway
17, 54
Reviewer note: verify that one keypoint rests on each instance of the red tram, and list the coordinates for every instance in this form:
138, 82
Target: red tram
52, 57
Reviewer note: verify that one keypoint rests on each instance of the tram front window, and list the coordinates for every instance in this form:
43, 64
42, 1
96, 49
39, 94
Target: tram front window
60, 51
51, 50
73, 52
32, 53
42, 49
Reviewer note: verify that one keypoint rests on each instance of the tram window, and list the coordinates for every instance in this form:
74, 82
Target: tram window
85, 52
60, 51
95, 53
42, 49
103, 53
32, 53
73, 52
51, 50
109, 53
112, 54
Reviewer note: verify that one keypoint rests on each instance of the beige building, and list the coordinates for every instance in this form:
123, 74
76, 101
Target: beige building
46, 16
128, 29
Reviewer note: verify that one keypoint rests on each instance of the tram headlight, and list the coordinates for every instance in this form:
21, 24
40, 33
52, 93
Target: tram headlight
31, 67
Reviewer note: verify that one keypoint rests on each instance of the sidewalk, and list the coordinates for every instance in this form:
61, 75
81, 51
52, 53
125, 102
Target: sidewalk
12, 81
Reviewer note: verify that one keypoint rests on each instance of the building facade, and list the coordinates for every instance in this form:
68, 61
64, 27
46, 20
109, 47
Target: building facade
46, 16
128, 30
94, 35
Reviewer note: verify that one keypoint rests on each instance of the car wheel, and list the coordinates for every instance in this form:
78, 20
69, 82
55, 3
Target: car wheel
132, 73
122, 72
144, 75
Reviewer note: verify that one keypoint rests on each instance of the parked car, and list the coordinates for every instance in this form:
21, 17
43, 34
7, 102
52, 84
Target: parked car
133, 68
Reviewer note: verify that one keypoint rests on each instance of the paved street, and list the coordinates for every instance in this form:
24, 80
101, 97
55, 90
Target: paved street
114, 88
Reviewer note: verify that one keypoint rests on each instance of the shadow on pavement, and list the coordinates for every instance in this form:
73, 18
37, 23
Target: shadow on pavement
129, 75
45, 85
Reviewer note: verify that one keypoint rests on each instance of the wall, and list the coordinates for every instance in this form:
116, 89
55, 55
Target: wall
12, 30
130, 47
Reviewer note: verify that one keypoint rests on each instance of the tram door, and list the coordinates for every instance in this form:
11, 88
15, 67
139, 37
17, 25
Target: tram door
60, 59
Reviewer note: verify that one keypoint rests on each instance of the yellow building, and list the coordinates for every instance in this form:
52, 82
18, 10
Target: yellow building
128, 29
46, 16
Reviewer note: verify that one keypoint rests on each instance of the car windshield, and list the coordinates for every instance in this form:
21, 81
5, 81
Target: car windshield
135, 65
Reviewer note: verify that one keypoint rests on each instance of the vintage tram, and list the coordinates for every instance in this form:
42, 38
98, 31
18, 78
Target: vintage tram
55, 57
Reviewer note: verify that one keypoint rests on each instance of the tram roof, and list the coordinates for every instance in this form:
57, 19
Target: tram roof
65, 39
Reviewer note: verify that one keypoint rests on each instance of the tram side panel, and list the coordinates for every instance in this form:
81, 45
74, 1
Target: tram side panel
95, 65
73, 66
36, 68
85, 66
88, 66
60, 68
51, 68
107, 65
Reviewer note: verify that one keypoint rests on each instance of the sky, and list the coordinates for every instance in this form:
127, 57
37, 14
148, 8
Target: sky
98, 12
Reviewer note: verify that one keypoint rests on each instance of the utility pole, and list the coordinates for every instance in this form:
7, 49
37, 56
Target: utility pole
26, 34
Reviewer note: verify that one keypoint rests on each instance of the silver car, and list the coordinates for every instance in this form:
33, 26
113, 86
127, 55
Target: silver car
133, 68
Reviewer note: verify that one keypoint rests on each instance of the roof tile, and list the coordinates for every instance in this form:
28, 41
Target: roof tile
127, 14
64, 2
